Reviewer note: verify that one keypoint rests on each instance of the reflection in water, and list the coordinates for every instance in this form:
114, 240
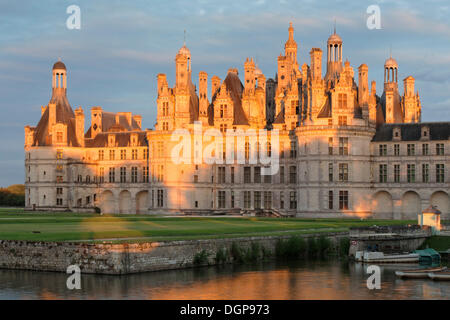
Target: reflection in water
300, 280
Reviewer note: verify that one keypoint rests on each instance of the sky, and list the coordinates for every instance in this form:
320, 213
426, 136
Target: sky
113, 59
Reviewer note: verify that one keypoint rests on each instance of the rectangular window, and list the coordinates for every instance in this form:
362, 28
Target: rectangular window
281, 200
257, 200
101, 173
160, 173
59, 202
440, 173
59, 191
330, 200
343, 172
145, 154
59, 154
342, 120
293, 149
281, 150
439, 149
425, 150
160, 198
292, 174
112, 155
145, 174
330, 172
425, 172
343, 200
282, 174
134, 174
267, 178
396, 173
101, 155
383, 173
123, 174
123, 154
411, 173
247, 199
343, 146
267, 199
232, 174
342, 100
195, 178
330, 146
411, 149
232, 199
293, 200
112, 175
247, 174
257, 174
383, 149
221, 199
134, 154
221, 174
396, 149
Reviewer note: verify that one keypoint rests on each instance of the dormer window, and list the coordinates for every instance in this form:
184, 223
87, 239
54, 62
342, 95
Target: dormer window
397, 134
425, 133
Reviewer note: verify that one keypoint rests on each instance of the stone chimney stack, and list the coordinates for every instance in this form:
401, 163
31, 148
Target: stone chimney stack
79, 126
215, 84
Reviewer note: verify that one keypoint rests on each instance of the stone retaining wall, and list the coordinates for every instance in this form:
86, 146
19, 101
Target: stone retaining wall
108, 258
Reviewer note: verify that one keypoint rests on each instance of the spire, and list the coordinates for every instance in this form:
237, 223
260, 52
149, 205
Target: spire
334, 25
184, 41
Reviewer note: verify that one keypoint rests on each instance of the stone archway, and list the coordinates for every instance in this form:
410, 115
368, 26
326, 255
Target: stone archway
107, 203
441, 200
142, 202
382, 205
125, 201
411, 205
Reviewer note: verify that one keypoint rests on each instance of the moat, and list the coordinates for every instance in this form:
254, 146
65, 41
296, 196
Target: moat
319, 279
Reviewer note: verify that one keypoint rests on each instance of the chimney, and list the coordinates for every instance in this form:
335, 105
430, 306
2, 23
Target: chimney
316, 63
79, 126
215, 84
96, 121
162, 81
138, 119
203, 93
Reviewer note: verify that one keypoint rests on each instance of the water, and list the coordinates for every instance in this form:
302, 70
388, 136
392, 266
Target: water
330, 279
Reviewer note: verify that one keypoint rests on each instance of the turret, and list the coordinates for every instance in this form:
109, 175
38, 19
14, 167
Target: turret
334, 56
316, 63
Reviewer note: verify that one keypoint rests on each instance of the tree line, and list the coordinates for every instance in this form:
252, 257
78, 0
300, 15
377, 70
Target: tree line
13, 196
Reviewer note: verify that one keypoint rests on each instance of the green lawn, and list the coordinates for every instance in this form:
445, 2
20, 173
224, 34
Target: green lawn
15, 224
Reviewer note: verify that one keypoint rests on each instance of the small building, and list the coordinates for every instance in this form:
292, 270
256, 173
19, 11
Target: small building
431, 216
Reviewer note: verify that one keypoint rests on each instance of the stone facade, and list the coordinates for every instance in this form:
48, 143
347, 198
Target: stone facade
343, 149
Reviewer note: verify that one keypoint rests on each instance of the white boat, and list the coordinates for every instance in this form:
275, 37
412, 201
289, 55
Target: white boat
418, 273
380, 257
439, 275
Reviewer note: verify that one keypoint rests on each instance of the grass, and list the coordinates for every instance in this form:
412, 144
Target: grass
16, 224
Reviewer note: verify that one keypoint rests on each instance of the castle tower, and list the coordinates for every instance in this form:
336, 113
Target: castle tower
393, 110
334, 56
183, 68
182, 87
390, 73
59, 79
411, 102
290, 47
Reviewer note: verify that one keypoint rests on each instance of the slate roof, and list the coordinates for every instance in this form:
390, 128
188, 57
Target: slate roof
122, 139
64, 114
413, 131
